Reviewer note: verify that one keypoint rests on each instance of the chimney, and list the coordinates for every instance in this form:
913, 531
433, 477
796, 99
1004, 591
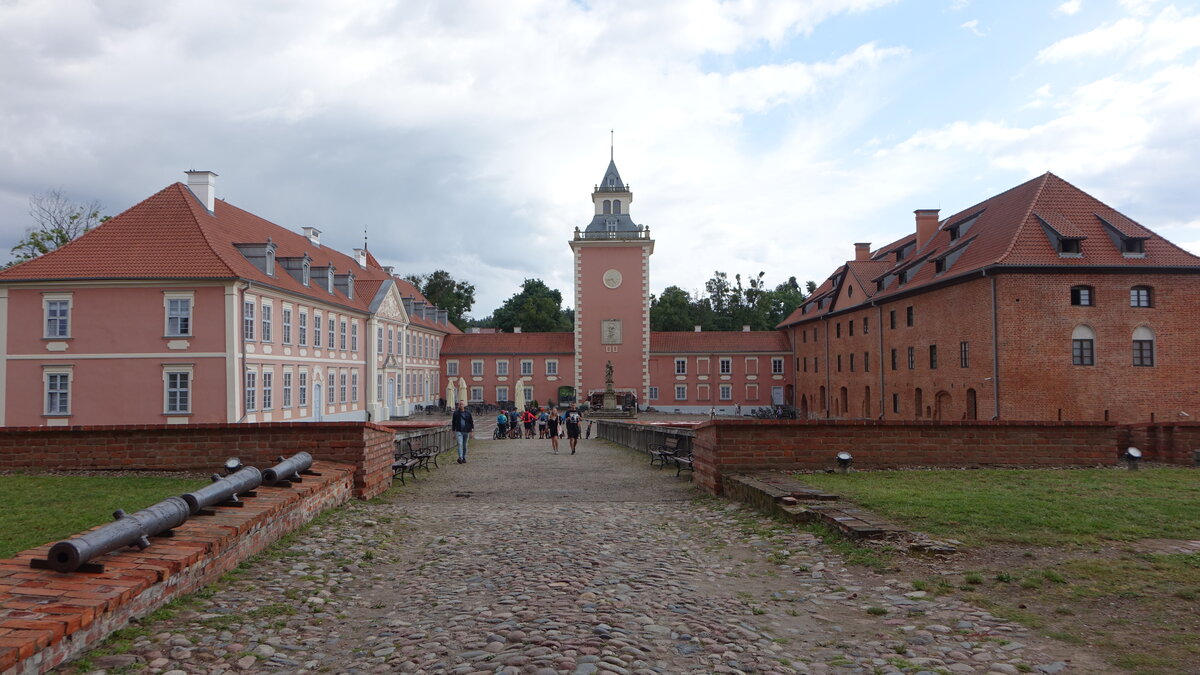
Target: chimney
389, 270
360, 257
697, 329
203, 184
516, 329
473, 330
862, 251
927, 224
745, 328
313, 234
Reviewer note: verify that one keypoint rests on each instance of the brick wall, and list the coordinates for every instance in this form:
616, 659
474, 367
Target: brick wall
725, 446
1175, 443
205, 447
50, 617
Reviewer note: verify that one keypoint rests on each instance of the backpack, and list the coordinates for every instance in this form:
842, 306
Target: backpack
501, 419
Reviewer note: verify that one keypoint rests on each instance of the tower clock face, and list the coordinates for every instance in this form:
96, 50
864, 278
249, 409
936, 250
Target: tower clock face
612, 278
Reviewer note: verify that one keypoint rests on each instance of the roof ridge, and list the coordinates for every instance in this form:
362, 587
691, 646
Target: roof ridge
1012, 242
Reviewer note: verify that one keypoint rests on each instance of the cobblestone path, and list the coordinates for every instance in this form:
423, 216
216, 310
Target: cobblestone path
521, 561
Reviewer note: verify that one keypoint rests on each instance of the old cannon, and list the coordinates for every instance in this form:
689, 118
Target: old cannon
288, 470
133, 529
223, 490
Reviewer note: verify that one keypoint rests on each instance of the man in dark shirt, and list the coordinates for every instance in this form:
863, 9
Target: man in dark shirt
462, 424
573, 421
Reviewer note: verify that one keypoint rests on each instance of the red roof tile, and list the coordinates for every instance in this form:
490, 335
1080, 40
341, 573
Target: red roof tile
724, 342
479, 344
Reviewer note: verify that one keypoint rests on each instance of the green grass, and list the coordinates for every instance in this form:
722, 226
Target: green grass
35, 510
1032, 507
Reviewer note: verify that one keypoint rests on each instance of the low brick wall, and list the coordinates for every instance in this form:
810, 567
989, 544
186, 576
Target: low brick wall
205, 447
49, 617
1172, 443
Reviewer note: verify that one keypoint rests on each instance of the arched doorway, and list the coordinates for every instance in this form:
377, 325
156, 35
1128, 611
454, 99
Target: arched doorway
972, 409
941, 405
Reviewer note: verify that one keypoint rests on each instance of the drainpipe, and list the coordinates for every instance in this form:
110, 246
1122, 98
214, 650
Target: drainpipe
995, 350
880, 361
828, 386
241, 313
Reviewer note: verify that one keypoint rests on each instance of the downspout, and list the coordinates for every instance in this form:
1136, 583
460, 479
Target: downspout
241, 387
995, 350
880, 360
828, 390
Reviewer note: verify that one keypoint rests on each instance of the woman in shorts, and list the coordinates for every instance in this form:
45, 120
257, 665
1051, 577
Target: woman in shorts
552, 423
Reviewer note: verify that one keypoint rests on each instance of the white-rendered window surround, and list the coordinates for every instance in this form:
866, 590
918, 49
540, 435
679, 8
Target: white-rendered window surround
331, 390
251, 383
267, 318
379, 387
178, 313
287, 389
501, 394
302, 397
342, 335
354, 336
302, 330
476, 395
680, 392
726, 392
354, 386
452, 368
776, 366
56, 381
653, 393
57, 311
268, 390
248, 320
726, 365
502, 367
342, 387
680, 367
528, 394
526, 367
333, 334
476, 368
552, 366
379, 339
177, 389
317, 329
286, 313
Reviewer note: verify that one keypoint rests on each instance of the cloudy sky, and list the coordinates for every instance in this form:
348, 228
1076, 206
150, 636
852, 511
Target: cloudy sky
467, 135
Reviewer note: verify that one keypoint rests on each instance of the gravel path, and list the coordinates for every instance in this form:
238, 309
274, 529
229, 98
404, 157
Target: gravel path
521, 561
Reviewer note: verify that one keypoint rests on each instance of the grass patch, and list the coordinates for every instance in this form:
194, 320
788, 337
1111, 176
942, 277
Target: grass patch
35, 510
1035, 507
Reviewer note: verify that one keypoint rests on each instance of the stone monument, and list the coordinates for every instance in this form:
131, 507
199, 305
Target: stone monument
610, 396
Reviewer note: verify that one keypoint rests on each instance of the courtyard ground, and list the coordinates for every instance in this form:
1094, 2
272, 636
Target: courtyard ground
522, 561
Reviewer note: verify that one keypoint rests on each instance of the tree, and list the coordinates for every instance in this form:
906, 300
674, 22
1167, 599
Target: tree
536, 309
56, 221
439, 288
672, 310
727, 305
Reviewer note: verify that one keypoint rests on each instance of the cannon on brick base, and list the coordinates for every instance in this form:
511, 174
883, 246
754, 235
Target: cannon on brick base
289, 470
224, 491
134, 529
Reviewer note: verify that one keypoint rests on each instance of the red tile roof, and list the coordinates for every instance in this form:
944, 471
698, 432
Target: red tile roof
1008, 232
480, 344
712, 342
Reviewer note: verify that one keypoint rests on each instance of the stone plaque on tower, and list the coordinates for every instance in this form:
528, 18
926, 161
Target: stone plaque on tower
610, 332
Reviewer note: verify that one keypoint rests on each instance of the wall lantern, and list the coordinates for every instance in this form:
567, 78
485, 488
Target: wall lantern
844, 461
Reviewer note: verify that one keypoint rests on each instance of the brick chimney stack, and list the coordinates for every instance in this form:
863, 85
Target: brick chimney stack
862, 251
927, 224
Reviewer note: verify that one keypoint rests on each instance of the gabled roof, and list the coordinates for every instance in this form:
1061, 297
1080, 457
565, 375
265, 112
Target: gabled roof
1009, 230
717, 342
514, 344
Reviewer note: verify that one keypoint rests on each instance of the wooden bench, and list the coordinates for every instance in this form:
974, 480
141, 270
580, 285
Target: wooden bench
683, 459
661, 452
403, 460
424, 453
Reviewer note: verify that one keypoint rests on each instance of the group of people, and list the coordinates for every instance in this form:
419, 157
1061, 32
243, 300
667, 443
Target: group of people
551, 424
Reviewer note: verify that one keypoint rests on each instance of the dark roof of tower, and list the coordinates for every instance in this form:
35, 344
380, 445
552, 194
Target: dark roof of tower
616, 184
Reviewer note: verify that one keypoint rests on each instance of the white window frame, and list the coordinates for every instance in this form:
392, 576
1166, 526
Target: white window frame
354, 336
528, 395
302, 329
248, 320
501, 367
177, 369
302, 388
286, 401
477, 368
250, 390
185, 319
286, 320
681, 392
379, 339
776, 365
653, 393
725, 391
476, 395
62, 322
265, 321
57, 372
452, 368
331, 390
342, 333
725, 365
379, 387
526, 367
681, 365
331, 321
502, 394
552, 367
354, 386
342, 387
268, 389
318, 328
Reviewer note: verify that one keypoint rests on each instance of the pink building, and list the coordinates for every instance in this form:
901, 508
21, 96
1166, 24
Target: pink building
185, 308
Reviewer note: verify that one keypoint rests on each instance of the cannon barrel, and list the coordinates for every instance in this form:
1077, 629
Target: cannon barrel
127, 529
223, 489
287, 469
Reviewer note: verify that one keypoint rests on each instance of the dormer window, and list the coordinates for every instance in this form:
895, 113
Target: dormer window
1129, 237
1067, 247
953, 233
306, 273
939, 265
959, 228
612, 181
1132, 248
329, 280
270, 261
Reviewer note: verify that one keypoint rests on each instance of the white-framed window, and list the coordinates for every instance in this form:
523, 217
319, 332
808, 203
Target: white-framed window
57, 382
502, 367
391, 346
476, 395
528, 394
317, 328
653, 393
725, 364
251, 391
266, 322
287, 325
1141, 296
306, 273
177, 389
342, 335
332, 323
379, 387
502, 394
526, 366
302, 394
379, 339
302, 331
353, 336
248, 321
287, 389
452, 368
680, 366
57, 310
342, 387
1143, 347
681, 392
776, 365
354, 386
179, 314
726, 392
552, 366
268, 390
476, 368
331, 390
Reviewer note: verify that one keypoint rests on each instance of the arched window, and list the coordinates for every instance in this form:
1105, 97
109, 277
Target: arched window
1083, 346
1082, 296
607, 206
1141, 296
1143, 346
616, 206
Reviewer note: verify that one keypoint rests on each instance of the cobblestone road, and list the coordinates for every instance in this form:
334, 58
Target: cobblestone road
522, 561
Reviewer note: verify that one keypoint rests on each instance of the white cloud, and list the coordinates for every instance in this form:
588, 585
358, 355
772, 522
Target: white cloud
1140, 7
1106, 39
973, 26
1070, 7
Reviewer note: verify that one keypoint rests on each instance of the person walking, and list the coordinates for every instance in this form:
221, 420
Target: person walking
542, 419
552, 425
573, 420
462, 424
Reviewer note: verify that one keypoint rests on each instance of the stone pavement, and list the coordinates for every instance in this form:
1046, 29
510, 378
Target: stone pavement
521, 561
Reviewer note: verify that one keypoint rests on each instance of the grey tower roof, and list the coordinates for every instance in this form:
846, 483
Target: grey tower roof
604, 224
612, 179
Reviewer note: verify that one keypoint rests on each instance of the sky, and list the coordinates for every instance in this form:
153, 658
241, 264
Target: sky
468, 135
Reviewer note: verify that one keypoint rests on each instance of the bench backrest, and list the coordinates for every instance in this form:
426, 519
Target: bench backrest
671, 443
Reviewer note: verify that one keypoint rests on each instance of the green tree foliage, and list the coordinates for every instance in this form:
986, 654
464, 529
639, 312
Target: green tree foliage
456, 297
536, 309
56, 221
728, 304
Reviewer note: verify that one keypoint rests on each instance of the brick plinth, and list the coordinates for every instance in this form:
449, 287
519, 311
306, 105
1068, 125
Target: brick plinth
49, 617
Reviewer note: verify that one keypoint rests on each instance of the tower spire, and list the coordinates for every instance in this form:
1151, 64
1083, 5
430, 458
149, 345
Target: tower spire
612, 141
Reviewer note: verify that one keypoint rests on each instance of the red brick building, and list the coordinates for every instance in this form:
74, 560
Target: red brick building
1041, 303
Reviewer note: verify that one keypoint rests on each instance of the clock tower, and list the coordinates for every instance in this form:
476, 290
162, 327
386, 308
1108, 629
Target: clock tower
612, 294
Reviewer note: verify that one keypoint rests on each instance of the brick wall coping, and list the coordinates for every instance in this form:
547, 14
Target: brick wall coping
414, 425
197, 427
906, 423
